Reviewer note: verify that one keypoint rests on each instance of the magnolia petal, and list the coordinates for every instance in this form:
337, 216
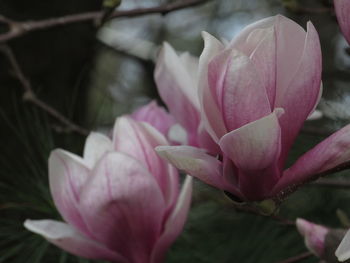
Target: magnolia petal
254, 149
67, 174
289, 52
264, 58
177, 88
306, 81
174, 223
328, 154
177, 134
124, 206
139, 140
154, 115
207, 142
244, 41
210, 113
195, 162
342, 10
96, 145
240, 94
343, 250
314, 236
67, 238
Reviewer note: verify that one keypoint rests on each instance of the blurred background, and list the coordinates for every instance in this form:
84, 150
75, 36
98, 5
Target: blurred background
93, 74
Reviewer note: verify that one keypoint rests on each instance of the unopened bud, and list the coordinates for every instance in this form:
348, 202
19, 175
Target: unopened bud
314, 235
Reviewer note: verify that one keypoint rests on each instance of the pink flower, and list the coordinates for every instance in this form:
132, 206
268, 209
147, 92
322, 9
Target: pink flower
255, 94
156, 116
176, 77
342, 10
120, 202
315, 236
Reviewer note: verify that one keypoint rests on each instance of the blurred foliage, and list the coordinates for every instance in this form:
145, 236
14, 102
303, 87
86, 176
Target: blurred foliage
92, 84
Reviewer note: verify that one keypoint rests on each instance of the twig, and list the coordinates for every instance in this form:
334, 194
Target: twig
251, 210
336, 183
30, 96
291, 189
17, 29
297, 258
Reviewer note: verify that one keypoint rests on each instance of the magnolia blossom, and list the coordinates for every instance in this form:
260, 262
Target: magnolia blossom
120, 202
176, 77
156, 116
160, 119
314, 235
254, 95
342, 10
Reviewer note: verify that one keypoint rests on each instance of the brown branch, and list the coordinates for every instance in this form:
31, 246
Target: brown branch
336, 183
279, 198
30, 96
252, 210
17, 29
297, 258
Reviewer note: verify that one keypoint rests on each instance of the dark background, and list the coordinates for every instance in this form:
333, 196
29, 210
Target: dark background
91, 84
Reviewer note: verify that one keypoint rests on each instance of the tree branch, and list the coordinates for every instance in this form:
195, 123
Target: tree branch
17, 29
291, 189
30, 96
336, 183
297, 258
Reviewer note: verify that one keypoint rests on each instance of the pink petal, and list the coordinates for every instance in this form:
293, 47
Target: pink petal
254, 149
67, 238
174, 223
211, 115
124, 206
139, 140
290, 52
195, 162
264, 58
67, 174
248, 39
328, 154
240, 94
96, 146
306, 81
178, 88
156, 116
314, 235
342, 10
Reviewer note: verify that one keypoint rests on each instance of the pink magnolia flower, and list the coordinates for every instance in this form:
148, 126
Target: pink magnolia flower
156, 116
255, 94
120, 202
176, 77
342, 10
314, 235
